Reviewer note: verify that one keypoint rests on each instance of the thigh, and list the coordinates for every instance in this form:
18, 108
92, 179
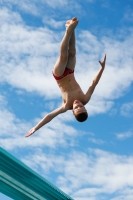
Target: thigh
60, 66
71, 62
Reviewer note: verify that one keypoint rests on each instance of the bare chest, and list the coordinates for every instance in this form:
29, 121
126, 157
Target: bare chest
71, 91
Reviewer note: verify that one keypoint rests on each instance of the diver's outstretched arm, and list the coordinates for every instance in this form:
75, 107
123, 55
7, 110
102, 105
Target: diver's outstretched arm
46, 119
95, 80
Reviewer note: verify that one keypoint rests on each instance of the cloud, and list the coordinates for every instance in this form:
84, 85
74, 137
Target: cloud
53, 23
117, 76
127, 194
30, 53
3, 101
127, 109
98, 105
87, 175
123, 136
13, 130
51, 135
128, 15
26, 54
56, 4
96, 141
42, 8
10, 125
7, 17
26, 5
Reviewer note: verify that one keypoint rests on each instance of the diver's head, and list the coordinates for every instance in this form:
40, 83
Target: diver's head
79, 111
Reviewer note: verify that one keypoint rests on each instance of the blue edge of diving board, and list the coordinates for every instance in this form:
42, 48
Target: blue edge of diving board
19, 182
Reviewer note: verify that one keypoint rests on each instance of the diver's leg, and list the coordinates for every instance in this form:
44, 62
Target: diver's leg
71, 53
64, 48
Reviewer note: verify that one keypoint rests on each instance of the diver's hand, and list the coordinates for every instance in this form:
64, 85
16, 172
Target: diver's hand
103, 62
31, 131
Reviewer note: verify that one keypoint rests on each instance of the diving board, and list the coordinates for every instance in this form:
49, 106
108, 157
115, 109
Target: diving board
18, 181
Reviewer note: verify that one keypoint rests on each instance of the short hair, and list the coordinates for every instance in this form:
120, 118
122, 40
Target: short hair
81, 117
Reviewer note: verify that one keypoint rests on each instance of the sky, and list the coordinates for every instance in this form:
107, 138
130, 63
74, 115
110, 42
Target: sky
92, 160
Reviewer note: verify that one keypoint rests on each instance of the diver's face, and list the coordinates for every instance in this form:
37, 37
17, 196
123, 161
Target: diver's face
78, 107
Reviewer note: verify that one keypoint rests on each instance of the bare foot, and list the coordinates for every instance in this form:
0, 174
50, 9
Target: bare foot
71, 24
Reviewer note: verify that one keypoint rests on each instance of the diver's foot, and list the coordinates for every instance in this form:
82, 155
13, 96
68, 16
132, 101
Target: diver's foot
71, 24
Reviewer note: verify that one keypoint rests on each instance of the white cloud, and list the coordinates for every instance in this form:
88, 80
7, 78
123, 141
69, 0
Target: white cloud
3, 101
10, 125
53, 23
127, 109
55, 4
26, 54
25, 5
128, 15
30, 53
96, 141
43, 7
98, 105
53, 134
123, 136
87, 175
118, 72
7, 17
127, 194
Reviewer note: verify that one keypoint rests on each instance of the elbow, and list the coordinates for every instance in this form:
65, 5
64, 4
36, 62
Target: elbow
48, 118
95, 82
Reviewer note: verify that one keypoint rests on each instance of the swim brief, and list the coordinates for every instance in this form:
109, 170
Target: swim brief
66, 72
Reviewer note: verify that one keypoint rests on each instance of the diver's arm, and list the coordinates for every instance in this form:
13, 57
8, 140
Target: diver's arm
46, 119
95, 80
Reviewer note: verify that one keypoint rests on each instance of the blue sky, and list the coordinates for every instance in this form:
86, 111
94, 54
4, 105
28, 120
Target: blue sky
91, 160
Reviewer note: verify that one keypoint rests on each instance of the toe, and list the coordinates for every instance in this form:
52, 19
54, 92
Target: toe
74, 19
